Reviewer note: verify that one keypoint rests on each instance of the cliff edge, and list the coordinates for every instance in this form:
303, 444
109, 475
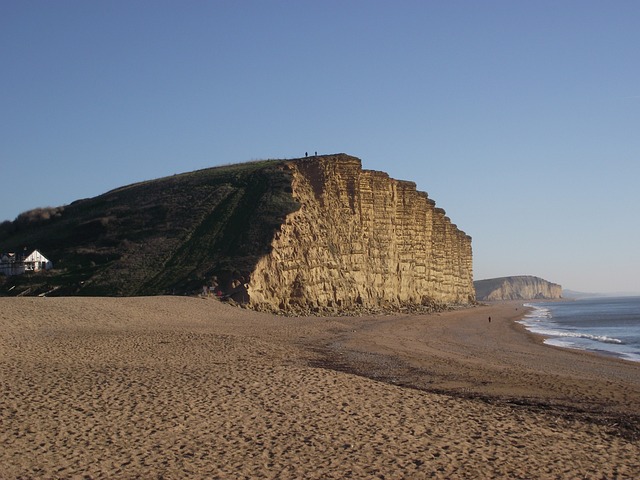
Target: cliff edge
522, 287
361, 240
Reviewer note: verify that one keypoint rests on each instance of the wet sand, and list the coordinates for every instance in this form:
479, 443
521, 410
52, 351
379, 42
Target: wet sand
170, 387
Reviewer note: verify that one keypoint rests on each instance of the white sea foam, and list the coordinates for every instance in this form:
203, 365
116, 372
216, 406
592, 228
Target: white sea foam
565, 334
538, 312
558, 342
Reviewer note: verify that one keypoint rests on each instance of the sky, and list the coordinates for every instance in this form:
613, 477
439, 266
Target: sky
519, 118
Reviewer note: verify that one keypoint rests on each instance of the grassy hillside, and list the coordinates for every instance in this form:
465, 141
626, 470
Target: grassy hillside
162, 236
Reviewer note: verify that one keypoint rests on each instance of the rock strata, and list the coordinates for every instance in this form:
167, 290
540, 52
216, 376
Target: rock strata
311, 235
361, 240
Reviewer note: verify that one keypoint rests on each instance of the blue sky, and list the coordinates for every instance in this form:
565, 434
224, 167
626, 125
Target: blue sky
519, 118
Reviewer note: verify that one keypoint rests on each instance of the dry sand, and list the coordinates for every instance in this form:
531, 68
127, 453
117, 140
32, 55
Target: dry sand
170, 387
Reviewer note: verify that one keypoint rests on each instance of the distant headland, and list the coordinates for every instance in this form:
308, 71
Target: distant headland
522, 287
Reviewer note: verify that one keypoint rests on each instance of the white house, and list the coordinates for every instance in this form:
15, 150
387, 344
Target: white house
17, 264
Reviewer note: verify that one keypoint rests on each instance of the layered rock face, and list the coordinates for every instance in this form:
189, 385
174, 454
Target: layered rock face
523, 287
312, 235
360, 240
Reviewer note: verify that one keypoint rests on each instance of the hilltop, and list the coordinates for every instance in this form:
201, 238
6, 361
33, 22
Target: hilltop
310, 235
159, 236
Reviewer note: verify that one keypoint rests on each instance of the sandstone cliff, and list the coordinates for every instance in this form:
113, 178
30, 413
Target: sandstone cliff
316, 234
361, 239
516, 288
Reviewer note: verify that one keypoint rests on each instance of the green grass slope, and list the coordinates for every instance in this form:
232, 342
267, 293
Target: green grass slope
169, 235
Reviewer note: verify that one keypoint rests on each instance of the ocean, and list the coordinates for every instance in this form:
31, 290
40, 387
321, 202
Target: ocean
605, 325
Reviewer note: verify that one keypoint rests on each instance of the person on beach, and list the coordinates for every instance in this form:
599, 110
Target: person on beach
489, 319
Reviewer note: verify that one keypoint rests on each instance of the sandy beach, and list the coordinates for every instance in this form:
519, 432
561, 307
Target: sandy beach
176, 387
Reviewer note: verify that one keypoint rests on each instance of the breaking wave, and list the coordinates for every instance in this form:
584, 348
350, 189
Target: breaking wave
540, 321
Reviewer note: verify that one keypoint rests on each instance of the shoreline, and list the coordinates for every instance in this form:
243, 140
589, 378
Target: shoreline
513, 366
557, 340
172, 387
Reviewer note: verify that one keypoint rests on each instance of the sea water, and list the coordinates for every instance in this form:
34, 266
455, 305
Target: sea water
609, 326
